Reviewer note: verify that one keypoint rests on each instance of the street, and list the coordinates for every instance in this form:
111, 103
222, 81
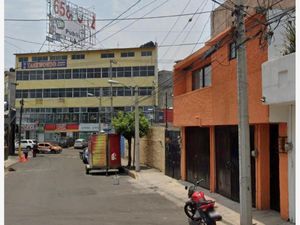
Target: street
54, 190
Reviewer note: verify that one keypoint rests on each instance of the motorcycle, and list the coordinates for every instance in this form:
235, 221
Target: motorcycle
199, 210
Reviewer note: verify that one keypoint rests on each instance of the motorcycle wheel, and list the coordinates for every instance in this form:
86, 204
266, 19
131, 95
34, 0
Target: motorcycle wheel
206, 220
190, 210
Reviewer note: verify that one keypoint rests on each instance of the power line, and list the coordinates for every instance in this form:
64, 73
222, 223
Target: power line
133, 22
105, 25
119, 19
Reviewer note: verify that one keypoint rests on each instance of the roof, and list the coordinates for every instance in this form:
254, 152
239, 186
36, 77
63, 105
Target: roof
144, 46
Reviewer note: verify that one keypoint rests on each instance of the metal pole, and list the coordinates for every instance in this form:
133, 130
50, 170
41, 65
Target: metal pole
20, 124
244, 145
137, 129
111, 94
99, 110
166, 117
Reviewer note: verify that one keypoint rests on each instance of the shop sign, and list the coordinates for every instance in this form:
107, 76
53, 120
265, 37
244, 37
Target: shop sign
46, 64
61, 127
29, 126
91, 127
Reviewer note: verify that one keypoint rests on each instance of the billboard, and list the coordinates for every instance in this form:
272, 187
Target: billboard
47, 64
70, 23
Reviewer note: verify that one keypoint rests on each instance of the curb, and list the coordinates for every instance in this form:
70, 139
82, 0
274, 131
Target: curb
131, 173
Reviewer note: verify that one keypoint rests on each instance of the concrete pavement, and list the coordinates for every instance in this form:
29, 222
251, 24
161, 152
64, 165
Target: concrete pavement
155, 181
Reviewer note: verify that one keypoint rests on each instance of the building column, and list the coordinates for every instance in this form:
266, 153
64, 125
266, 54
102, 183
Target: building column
291, 164
212, 164
283, 172
183, 155
262, 145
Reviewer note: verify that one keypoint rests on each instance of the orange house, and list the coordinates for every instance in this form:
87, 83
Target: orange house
205, 107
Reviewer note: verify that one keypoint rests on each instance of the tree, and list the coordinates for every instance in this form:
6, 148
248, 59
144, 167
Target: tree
124, 125
290, 38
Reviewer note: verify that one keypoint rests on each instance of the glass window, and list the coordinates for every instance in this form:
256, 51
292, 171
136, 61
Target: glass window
46, 93
91, 91
19, 75
127, 54
39, 93
39, 74
136, 71
83, 92
143, 91
197, 79
47, 74
127, 91
78, 56
146, 53
76, 92
53, 74
39, 58
31, 93
97, 92
143, 71
106, 91
60, 74
98, 73
82, 73
58, 57
114, 91
23, 59
18, 93
207, 76
151, 70
90, 73
54, 93
76, 74
62, 92
127, 71
120, 72
107, 55
68, 74
25, 75
32, 75
104, 72
232, 50
120, 91
25, 94
114, 72
69, 92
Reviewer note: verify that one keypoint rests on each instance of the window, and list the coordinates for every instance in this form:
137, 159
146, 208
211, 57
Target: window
98, 73
143, 71
68, 74
83, 92
145, 91
25, 94
69, 92
127, 91
78, 56
232, 50
25, 75
106, 91
19, 75
18, 93
136, 71
107, 55
32, 75
23, 59
127, 54
39, 93
127, 71
104, 72
62, 93
76, 92
90, 73
76, 74
60, 74
39, 58
201, 78
146, 53
53, 74
31, 93
82, 73
120, 72
151, 70
39, 74
58, 57
47, 74
46, 93
54, 93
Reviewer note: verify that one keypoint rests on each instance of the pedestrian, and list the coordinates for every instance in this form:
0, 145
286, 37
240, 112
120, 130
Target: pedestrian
34, 150
25, 152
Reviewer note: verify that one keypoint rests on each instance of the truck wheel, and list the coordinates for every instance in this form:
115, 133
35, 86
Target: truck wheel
87, 171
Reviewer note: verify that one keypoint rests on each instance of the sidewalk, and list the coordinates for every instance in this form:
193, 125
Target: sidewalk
12, 159
153, 180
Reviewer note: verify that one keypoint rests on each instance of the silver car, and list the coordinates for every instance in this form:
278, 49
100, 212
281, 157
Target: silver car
80, 143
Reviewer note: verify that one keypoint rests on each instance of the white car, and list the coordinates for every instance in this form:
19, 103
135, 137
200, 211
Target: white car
25, 144
80, 143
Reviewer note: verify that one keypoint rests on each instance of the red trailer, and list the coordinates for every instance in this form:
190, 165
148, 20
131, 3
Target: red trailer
104, 153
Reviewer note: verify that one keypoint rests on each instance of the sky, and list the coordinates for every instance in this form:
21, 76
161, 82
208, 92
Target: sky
164, 31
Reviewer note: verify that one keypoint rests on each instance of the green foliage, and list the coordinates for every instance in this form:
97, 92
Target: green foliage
290, 38
124, 124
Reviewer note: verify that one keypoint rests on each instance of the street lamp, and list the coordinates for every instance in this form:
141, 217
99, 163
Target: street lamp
111, 61
99, 108
136, 126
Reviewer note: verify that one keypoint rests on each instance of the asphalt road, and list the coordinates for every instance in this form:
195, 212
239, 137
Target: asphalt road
54, 190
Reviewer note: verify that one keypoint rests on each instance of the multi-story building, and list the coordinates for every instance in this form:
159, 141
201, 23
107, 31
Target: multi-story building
67, 93
206, 109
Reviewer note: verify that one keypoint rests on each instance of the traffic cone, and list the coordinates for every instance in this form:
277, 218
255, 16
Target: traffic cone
22, 158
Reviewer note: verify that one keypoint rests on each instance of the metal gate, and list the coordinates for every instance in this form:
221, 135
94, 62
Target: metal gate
198, 155
172, 156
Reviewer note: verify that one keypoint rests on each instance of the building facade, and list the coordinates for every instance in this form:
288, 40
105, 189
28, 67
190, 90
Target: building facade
67, 93
206, 109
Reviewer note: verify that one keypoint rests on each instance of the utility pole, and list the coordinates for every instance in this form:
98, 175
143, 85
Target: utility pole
166, 117
99, 110
244, 145
137, 131
20, 124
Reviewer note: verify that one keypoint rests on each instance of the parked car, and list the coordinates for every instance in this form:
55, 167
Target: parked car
48, 147
80, 143
66, 142
25, 144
